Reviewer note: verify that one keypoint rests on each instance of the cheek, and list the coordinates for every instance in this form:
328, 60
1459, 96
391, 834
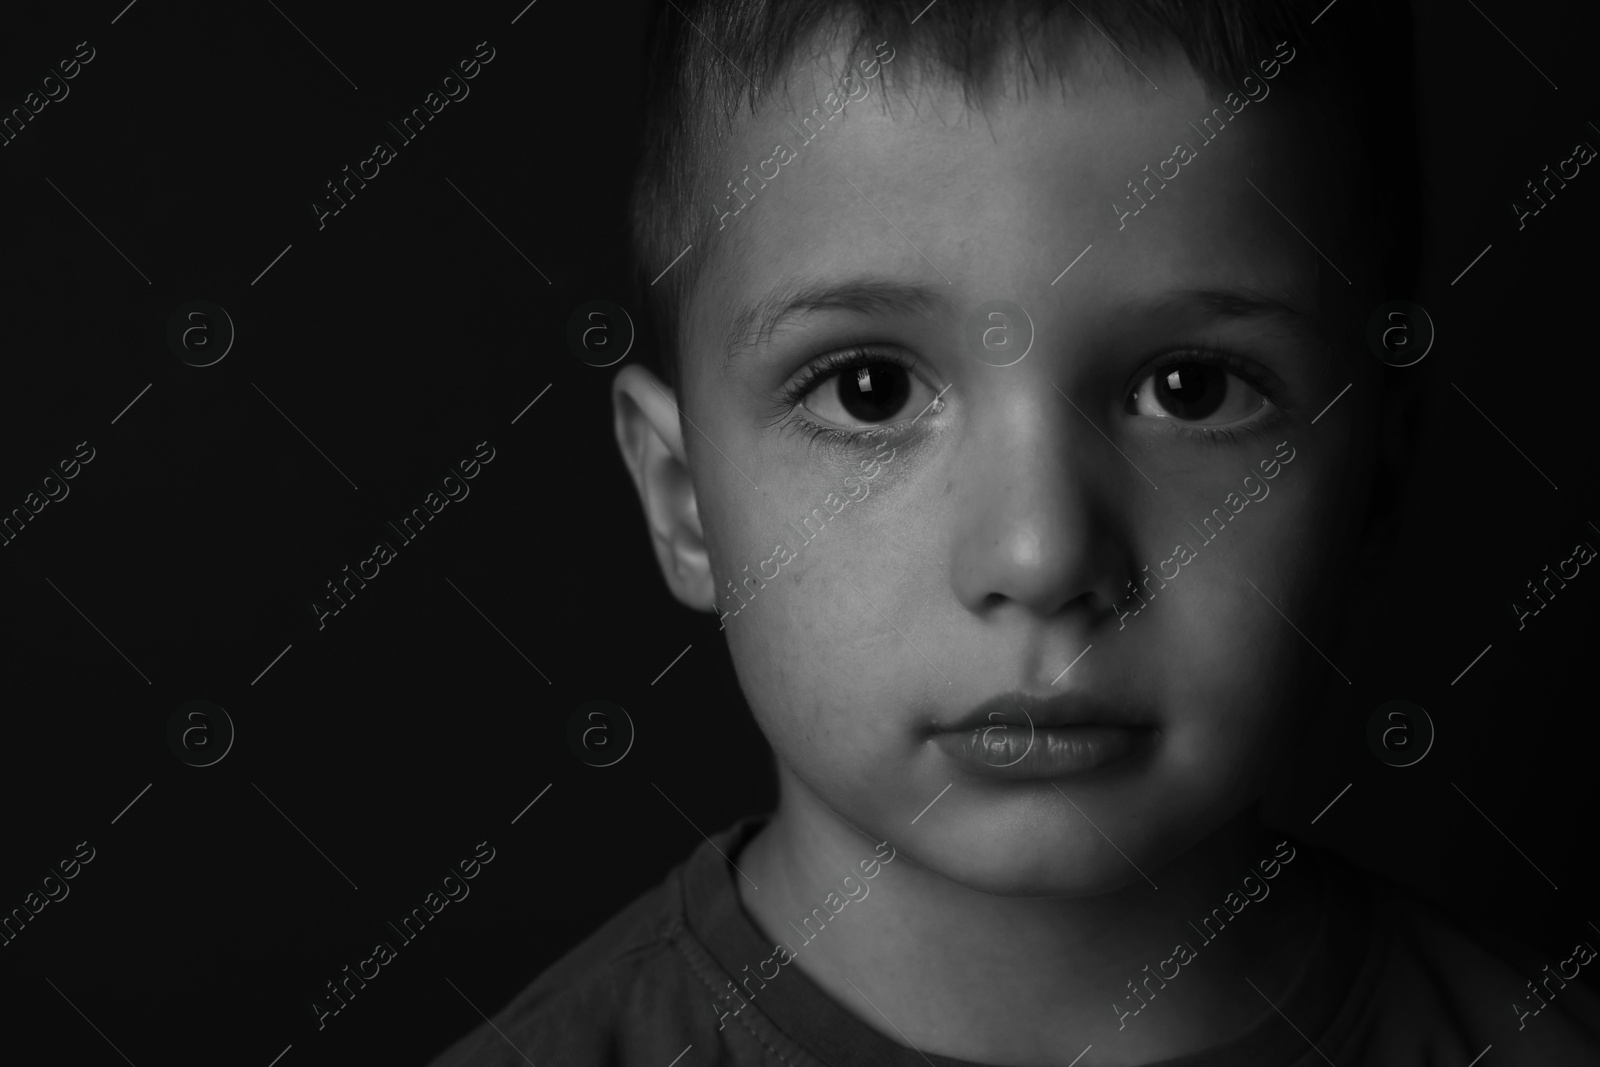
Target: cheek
1222, 648
1231, 663
812, 690
826, 677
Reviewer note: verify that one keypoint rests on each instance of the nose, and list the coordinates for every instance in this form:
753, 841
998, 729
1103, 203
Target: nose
1041, 526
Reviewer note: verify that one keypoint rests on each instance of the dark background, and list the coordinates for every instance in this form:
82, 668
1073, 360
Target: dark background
407, 331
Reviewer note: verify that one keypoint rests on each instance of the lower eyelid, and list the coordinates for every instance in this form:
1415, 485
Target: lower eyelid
844, 439
1263, 421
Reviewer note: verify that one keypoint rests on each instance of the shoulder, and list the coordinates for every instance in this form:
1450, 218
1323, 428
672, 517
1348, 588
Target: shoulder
1444, 992
619, 997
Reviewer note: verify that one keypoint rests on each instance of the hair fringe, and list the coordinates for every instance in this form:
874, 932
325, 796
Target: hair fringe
696, 89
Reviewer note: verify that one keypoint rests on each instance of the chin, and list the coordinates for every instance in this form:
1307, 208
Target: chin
1057, 855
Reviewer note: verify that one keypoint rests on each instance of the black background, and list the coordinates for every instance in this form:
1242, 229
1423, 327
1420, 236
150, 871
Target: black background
406, 331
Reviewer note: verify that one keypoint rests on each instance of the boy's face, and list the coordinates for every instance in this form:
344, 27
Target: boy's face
996, 545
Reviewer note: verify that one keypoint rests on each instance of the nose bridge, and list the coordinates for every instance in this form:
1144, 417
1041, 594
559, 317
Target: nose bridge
1034, 529
1021, 439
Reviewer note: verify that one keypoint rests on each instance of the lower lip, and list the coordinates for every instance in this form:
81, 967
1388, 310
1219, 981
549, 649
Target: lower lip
1058, 751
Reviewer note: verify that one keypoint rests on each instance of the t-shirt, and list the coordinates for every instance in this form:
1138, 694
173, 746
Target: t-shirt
1413, 989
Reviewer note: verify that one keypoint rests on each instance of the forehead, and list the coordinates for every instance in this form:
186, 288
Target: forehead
994, 200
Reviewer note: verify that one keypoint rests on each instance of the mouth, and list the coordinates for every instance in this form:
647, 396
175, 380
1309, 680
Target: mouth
1019, 736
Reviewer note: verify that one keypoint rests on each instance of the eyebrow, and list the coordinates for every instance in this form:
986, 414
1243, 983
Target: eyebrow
755, 324
1234, 303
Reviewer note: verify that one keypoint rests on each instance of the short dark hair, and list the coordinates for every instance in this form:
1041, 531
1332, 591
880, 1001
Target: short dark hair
707, 57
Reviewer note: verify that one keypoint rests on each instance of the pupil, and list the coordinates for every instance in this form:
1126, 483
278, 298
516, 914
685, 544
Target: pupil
1192, 390
875, 392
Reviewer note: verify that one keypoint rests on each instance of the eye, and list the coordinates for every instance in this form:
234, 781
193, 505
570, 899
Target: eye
1193, 390
861, 388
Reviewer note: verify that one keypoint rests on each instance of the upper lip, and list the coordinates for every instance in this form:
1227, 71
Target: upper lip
1063, 709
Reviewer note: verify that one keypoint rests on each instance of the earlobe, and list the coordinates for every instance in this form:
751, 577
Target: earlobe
650, 435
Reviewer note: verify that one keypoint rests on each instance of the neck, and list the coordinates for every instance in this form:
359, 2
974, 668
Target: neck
1021, 979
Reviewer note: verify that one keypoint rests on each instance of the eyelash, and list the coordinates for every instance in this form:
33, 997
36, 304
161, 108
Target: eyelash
1212, 435
812, 379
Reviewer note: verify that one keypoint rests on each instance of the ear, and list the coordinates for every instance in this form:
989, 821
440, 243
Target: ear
650, 435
